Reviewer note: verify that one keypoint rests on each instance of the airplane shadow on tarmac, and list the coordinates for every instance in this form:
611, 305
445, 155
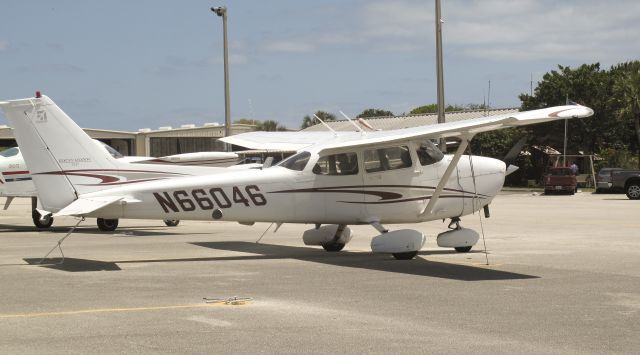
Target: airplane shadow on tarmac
359, 260
137, 231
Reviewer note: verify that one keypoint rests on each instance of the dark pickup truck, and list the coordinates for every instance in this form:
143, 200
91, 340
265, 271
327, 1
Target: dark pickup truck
560, 180
627, 180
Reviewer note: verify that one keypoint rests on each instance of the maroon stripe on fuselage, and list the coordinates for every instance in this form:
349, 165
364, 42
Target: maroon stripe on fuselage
15, 172
122, 182
107, 170
384, 195
323, 189
410, 199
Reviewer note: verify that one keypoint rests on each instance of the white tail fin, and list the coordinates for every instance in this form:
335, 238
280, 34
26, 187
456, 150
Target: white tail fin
62, 158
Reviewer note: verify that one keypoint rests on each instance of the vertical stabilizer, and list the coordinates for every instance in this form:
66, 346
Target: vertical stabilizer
62, 158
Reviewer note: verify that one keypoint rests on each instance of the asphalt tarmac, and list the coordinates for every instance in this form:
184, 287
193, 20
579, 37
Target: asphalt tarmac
563, 277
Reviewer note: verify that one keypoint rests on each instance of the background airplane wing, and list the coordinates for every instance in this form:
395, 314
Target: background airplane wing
288, 141
464, 128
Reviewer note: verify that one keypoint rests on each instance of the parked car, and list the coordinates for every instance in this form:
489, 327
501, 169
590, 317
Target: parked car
603, 179
560, 180
629, 180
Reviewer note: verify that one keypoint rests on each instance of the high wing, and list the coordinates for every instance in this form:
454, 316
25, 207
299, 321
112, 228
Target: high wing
287, 141
466, 128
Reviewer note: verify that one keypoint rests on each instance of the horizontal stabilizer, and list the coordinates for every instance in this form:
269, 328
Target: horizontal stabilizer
86, 205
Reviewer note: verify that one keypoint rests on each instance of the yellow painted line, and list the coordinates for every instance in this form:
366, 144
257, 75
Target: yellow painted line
108, 310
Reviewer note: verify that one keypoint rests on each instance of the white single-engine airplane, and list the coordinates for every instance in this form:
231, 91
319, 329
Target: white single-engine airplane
375, 178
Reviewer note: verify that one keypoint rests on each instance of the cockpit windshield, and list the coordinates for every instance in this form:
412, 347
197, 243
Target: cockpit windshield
296, 162
114, 153
428, 153
10, 152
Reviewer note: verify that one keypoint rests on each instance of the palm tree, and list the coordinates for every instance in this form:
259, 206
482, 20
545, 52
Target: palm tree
309, 121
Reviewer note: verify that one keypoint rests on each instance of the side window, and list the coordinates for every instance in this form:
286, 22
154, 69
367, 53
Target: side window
337, 164
296, 162
428, 153
10, 152
387, 159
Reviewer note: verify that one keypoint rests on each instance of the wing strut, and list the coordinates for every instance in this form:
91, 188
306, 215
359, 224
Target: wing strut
447, 174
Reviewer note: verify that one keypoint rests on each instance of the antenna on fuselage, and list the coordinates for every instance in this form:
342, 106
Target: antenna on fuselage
326, 125
353, 123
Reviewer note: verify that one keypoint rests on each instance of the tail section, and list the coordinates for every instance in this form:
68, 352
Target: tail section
64, 161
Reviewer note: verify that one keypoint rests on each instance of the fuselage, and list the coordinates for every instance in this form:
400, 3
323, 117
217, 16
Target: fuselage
311, 192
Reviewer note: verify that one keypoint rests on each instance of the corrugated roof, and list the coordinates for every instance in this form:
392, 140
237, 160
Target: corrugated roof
396, 122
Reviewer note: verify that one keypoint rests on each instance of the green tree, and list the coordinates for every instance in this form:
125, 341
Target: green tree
587, 85
271, 126
246, 121
268, 125
433, 108
308, 121
374, 112
626, 96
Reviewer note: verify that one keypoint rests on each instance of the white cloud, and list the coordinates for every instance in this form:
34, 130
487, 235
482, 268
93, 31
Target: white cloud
397, 19
587, 30
527, 29
290, 46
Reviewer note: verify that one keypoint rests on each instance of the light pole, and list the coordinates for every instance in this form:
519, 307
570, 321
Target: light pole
440, 74
222, 12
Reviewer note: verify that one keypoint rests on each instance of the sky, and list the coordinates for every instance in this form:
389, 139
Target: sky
127, 65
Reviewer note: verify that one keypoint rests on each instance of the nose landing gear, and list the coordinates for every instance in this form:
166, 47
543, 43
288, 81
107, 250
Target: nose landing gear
460, 239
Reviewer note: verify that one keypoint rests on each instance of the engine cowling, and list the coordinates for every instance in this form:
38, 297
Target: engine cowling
398, 241
325, 234
462, 237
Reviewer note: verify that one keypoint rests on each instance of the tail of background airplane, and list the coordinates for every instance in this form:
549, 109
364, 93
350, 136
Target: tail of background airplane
64, 161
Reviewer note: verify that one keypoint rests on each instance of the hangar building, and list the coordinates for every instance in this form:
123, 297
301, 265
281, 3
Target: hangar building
161, 142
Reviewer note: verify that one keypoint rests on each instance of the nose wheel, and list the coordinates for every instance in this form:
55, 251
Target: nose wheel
405, 256
460, 239
335, 245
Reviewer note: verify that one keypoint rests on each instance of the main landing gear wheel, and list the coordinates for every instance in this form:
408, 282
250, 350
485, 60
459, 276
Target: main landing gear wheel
46, 222
463, 249
171, 222
405, 256
333, 247
107, 225
633, 191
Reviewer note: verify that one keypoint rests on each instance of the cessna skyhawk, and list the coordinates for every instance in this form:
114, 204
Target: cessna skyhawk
371, 178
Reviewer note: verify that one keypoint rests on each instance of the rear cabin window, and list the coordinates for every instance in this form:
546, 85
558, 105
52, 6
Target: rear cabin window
296, 162
387, 159
428, 153
337, 164
10, 152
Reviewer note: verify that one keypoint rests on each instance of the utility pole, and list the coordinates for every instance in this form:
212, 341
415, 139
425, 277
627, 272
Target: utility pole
566, 123
221, 11
439, 73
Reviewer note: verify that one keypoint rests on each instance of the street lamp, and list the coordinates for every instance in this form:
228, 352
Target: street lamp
439, 73
222, 12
